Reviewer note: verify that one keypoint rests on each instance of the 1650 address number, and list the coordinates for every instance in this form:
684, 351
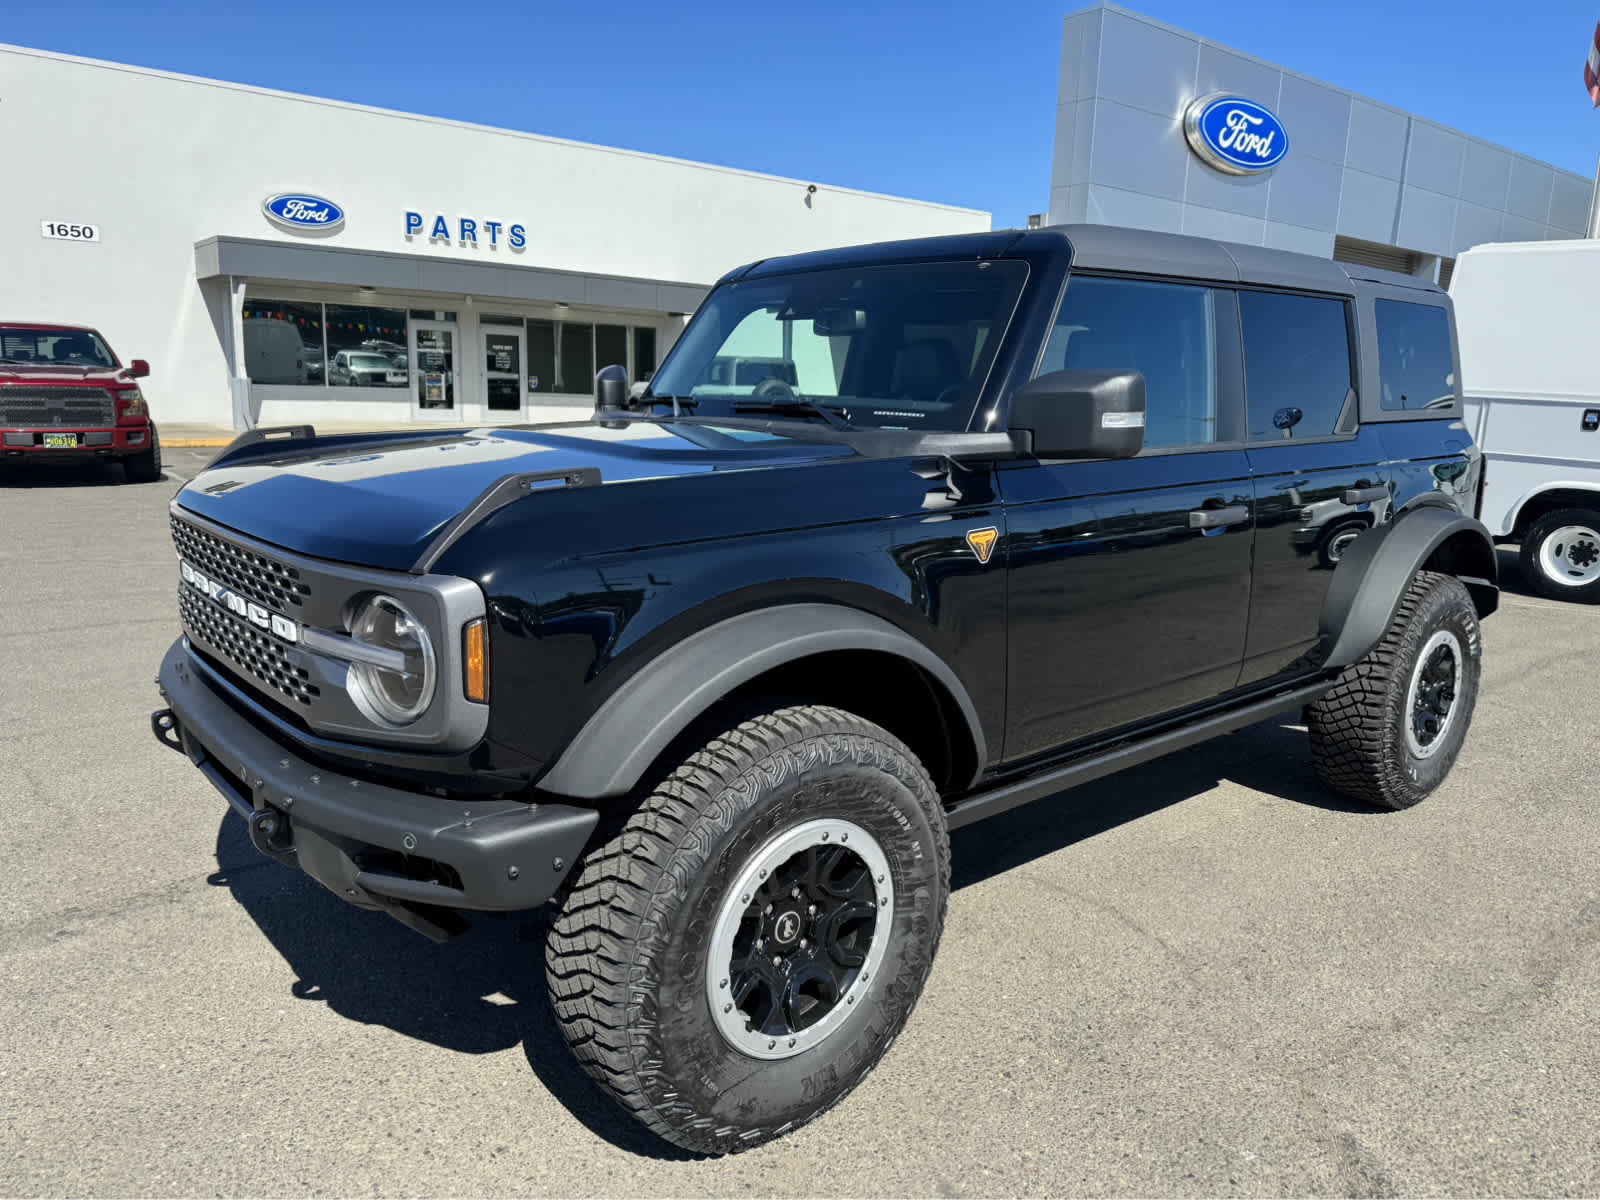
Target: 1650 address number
69, 232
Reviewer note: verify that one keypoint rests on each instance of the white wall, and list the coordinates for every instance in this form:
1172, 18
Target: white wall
160, 162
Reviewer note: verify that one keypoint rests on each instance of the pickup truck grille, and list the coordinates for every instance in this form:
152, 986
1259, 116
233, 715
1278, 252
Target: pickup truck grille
24, 407
238, 644
255, 576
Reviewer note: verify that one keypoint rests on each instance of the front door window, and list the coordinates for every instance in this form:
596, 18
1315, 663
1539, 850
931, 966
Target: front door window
503, 369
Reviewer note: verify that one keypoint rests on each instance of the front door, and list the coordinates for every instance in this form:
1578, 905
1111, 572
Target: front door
504, 370
1130, 581
435, 371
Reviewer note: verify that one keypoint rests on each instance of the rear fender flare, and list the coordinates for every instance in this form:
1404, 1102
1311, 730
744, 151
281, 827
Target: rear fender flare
630, 730
1378, 566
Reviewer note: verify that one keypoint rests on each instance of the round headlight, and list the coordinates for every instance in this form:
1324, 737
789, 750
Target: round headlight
400, 693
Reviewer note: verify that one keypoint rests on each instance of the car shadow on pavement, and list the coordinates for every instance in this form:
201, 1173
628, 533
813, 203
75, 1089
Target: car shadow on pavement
1270, 757
59, 475
484, 992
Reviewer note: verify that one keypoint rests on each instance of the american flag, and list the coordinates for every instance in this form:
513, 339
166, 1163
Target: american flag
1591, 69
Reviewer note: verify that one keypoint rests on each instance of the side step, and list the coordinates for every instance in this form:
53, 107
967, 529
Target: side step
1127, 754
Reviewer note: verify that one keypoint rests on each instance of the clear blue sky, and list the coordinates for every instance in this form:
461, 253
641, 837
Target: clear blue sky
940, 100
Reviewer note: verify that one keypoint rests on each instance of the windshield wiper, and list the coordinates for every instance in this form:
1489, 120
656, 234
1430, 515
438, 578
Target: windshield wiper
797, 407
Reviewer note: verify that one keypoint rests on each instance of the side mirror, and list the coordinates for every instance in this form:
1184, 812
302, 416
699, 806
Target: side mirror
1081, 414
138, 368
610, 390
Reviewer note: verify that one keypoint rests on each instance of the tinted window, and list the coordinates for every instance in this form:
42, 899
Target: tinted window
379, 335
577, 360
1164, 330
541, 356
644, 352
1414, 363
282, 341
1296, 365
885, 346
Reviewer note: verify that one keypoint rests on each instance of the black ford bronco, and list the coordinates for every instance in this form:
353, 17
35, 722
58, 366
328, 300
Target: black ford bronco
899, 537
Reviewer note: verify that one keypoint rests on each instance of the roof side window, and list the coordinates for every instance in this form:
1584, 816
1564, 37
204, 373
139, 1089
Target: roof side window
1166, 331
1296, 366
1415, 367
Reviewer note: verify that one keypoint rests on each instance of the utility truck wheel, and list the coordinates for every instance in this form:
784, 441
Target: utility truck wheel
1561, 555
746, 944
1390, 729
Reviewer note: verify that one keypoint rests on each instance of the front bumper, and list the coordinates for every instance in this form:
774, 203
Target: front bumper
414, 855
92, 442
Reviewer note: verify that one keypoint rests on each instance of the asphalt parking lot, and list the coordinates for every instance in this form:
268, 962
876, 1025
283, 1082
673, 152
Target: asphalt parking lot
1206, 976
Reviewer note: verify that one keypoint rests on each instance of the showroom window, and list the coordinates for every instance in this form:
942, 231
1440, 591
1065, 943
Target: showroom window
367, 347
283, 341
563, 356
1296, 366
1415, 368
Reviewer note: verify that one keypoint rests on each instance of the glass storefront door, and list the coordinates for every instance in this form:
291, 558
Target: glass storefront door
434, 370
504, 369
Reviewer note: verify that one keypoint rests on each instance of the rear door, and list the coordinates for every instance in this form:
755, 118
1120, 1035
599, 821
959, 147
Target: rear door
1319, 475
1130, 581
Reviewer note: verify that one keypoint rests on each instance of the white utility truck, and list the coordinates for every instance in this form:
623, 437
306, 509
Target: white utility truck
1530, 373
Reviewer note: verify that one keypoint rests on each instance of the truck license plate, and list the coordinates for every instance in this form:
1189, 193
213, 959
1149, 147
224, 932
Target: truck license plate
61, 441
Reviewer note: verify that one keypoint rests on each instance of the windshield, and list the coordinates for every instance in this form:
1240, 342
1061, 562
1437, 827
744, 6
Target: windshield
371, 362
900, 347
54, 347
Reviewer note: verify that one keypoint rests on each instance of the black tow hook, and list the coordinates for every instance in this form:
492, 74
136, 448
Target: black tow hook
270, 833
165, 726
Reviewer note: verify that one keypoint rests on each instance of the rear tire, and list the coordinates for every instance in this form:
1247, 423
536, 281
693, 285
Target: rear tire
803, 835
1390, 729
1560, 555
146, 467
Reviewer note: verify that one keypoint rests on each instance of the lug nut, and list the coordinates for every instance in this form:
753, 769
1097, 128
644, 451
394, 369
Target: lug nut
512, 872
724, 983
558, 864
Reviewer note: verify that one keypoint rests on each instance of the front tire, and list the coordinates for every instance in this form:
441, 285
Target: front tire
1390, 729
749, 941
144, 467
1560, 555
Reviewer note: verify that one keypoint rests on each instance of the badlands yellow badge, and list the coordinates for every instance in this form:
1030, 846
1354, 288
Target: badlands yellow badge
982, 541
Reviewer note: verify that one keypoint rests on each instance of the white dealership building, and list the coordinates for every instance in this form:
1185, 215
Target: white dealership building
428, 271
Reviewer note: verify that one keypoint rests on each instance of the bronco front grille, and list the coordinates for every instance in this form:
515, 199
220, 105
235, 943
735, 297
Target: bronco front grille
262, 579
237, 643
23, 406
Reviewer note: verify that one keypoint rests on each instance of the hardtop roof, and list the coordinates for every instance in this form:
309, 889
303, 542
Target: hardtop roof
1108, 248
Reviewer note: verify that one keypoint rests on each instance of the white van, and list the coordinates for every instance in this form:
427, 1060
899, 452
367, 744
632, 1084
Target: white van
1530, 371
273, 353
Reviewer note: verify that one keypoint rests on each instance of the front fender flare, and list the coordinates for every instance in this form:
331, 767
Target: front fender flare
1379, 565
631, 729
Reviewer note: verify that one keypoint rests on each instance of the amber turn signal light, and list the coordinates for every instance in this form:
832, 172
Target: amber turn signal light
476, 675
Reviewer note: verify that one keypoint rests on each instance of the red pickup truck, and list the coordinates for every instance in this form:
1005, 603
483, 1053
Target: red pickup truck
65, 395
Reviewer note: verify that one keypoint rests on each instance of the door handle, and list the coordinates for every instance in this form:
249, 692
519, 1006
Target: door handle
1217, 518
1364, 494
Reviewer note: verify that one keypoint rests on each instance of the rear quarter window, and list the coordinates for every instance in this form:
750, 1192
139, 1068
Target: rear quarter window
1416, 370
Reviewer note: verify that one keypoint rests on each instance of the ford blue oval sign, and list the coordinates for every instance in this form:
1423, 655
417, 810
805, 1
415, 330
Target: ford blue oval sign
303, 214
1235, 135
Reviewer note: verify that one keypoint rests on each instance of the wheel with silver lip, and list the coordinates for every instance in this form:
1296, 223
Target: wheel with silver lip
1391, 727
1560, 555
737, 952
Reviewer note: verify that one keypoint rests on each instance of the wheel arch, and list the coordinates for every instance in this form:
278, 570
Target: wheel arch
1549, 498
815, 653
1377, 568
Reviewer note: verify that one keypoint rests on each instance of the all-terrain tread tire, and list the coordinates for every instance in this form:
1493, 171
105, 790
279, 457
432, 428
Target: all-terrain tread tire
1533, 571
604, 949
1356, 744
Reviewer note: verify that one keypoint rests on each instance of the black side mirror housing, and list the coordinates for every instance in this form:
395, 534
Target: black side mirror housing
1081, 414
610, 390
